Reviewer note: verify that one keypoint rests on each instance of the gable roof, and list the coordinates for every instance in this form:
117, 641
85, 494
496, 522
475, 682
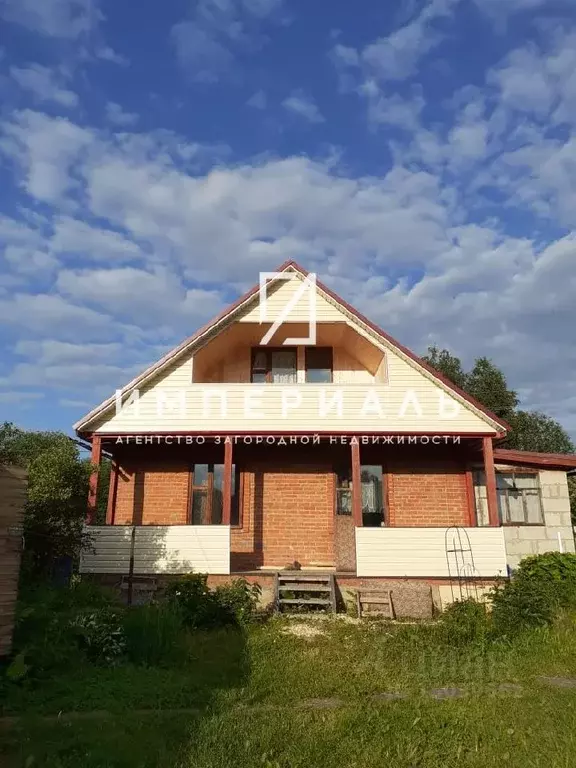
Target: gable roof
228, 315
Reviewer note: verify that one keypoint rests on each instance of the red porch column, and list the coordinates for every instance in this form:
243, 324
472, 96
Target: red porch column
227, 483
356, 484
95, 460
112, 489
490, 474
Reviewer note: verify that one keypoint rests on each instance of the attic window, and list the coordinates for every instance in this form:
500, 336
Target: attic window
319, 365
274, 365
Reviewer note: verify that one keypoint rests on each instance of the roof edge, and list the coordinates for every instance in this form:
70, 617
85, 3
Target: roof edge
536, 458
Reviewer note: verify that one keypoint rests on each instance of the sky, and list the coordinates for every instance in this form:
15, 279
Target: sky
419, 156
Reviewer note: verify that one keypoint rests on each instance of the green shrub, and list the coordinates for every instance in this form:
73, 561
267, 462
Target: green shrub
154, 634
240, 598
46, 636
200, 607
520, 604
541, 586
100, 634
197, 605
463, 622
555, 571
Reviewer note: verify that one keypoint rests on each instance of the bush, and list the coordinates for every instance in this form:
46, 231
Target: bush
541, 586
200, 607
197, 605
463, 622
556, 571
240, 598
154, 633
52, 630
520, 604
100, 634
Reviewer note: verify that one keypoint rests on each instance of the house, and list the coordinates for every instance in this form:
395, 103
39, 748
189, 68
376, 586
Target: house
293, 432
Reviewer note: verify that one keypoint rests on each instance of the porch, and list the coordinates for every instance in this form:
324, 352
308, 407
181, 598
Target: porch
362, 507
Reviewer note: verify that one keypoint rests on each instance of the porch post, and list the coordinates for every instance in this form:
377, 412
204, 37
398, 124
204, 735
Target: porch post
356, 484
227, 483
490, 474
112, 489
95, 460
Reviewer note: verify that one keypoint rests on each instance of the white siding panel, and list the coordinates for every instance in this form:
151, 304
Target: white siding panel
419, 552
158, 549
278, 298
265, 411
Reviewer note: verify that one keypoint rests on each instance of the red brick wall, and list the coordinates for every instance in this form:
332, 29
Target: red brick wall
435, 496
152, 494
288, 514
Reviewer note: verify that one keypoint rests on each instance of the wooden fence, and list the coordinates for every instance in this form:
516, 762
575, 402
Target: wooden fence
12, 500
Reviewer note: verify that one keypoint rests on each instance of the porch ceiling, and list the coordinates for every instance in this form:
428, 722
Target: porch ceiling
243, 336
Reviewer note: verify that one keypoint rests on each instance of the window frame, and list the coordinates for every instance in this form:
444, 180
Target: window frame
503, 493
341, 472
208, 489
268, 351
331, 367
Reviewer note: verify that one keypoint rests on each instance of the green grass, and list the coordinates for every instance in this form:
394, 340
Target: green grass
246, 689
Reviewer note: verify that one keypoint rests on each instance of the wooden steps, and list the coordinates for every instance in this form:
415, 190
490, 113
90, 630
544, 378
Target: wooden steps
300, 590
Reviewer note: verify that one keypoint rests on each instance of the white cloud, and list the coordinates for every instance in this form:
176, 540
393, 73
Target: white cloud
117, 116
392, 110
46, 314
398, 55
540, 81
207, 42
72, 236
257, 100
20, 397
304, 106
202, 56
51, 352
147, 298
44, 84
54, 18
105, 53
47, 148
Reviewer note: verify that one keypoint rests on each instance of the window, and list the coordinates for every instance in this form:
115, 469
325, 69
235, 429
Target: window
519, 499
276, 366
344, 492
372, 494
207, 494
319, 365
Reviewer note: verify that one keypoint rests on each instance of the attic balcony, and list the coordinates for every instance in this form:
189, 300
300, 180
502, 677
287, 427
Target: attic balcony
237, 356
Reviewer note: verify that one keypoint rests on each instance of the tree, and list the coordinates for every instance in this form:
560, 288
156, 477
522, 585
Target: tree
531, 430
488, 384
57, 492
447, 364
534, 431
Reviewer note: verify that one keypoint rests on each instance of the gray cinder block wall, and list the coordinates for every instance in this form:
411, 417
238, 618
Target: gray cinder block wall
525, 540
522, 540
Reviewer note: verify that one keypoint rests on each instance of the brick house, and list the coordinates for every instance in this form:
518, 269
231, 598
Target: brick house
291, 431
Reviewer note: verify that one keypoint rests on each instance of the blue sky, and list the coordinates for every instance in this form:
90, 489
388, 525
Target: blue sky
420, 156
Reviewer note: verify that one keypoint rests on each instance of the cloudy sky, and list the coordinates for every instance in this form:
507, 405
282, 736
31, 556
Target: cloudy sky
419, 155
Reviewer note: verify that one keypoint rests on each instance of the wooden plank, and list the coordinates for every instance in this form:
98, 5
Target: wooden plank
304, 601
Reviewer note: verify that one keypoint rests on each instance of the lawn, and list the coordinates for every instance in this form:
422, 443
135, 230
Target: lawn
280, 697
